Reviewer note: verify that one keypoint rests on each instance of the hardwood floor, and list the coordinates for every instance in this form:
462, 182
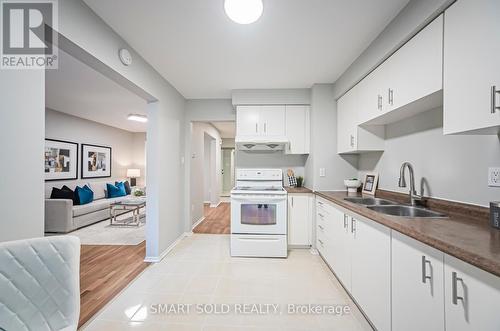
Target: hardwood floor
217, 220
104, 271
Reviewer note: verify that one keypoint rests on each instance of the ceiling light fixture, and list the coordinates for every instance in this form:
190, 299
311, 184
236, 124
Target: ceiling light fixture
137, 118
244, 11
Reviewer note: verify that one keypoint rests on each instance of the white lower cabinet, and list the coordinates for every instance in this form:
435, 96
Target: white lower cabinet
417, 285
299, 219
400, 283
359, 253
472, 297
371, 271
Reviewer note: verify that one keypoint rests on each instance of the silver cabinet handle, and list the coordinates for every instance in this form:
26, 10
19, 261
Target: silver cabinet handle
320, 203
321, 242
353, 225
345, 220
256, 127
321, 215
494, 93
321, 227
424, 269
265, 127
379, 102
454, 288
391, 97
292, 202
352, 140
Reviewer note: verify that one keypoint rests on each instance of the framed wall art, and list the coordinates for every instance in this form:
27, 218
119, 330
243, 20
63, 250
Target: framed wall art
96, 161
60, 160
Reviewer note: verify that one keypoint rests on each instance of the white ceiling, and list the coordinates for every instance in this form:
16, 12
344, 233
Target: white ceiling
295, 44
226, 129
79, 90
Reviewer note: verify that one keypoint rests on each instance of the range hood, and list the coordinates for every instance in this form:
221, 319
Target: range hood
267, 144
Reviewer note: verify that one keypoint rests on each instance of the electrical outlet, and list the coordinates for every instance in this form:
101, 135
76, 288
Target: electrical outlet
322, 172
494, 177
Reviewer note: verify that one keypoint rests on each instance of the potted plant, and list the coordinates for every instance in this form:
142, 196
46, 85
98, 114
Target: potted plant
300, 181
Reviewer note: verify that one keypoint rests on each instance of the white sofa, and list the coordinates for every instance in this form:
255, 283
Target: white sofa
62, 217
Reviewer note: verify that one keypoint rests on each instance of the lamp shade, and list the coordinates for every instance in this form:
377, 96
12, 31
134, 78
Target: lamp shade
133, 173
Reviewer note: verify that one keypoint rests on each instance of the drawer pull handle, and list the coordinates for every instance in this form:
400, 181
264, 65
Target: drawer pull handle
353, 225
494, 93
424, 270
321, 215
345, 221
454, 288
321, 242
321, 227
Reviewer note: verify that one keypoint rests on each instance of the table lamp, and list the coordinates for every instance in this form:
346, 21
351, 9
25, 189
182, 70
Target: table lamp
133, 174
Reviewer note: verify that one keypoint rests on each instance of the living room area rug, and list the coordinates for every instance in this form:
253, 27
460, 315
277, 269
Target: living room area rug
102, 233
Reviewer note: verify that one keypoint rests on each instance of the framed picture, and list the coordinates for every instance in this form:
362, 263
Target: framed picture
370, 184
60, 160
96, 161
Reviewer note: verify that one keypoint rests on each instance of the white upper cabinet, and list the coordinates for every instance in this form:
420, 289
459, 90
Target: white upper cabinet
298, 129
260, 121
472, 297
472, 67
272, 119
352, 138
408, 82
417, 282
416, 69
290, 122
248, 121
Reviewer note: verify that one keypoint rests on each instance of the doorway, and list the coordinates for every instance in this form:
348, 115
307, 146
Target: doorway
227, 171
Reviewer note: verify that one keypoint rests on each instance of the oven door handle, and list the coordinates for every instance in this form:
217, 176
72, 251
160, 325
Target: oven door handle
262, 199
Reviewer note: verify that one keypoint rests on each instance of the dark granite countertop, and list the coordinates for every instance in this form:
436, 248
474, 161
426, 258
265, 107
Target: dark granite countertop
459, 235
297, 189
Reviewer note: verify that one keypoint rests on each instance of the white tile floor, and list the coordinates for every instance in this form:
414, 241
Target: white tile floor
200, 271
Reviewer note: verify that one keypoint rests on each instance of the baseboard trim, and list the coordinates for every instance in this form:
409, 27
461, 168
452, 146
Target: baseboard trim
156, 259
213, 205
197, 223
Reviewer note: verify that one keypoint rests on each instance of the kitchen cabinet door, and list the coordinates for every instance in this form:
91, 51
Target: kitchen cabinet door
416, 69
248, 121
472, 297
272, 121
347, 122
299, 219
417, 285
371, 271
341, 247
297, 129
472, 67
372, 94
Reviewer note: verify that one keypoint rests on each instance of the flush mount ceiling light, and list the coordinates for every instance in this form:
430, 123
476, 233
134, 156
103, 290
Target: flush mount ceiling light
244, 11
137, 118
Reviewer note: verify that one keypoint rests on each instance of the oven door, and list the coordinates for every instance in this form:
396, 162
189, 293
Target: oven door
258, 214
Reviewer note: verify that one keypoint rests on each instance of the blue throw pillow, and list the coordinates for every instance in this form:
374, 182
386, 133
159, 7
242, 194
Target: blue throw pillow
115, 191
85, 194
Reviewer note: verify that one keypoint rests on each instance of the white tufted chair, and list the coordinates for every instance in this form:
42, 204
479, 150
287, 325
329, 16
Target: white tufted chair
40, 284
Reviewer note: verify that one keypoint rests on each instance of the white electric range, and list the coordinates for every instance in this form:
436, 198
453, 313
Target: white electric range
259, 214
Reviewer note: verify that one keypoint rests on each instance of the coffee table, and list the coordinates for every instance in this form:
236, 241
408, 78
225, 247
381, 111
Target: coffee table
132, 205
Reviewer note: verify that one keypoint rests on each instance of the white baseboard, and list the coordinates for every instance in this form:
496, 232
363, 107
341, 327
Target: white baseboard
156, 259
212, 205
197, 223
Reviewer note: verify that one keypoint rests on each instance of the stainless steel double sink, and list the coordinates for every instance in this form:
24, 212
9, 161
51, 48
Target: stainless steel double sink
392, 208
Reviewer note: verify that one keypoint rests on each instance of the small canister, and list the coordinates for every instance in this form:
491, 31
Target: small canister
495, 214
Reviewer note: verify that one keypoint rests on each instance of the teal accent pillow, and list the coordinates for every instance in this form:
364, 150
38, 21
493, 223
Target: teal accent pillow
85, 194
115, 191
